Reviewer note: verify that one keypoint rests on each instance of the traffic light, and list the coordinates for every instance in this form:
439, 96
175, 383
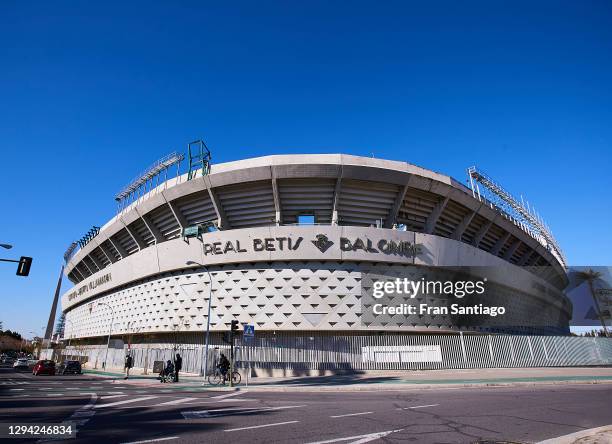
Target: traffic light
23, 266
227, 337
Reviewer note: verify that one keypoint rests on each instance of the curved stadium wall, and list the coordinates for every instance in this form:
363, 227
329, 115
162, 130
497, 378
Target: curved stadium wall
291, 279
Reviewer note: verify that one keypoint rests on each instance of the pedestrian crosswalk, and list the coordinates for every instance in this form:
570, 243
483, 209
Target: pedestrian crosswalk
13, 382
108, 400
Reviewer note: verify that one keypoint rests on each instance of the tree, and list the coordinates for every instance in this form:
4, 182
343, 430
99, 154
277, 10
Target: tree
59, 326
589, 276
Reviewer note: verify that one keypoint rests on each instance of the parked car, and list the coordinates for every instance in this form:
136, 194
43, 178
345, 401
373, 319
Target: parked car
7, 359
44, 367
69, 367
21, 364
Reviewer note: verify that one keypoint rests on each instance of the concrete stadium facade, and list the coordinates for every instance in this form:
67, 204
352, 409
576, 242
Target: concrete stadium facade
269, 271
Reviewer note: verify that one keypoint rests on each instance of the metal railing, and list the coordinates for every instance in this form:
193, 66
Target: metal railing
371, 352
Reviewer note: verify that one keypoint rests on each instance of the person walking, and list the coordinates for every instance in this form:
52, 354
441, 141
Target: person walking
178, 365
128, 365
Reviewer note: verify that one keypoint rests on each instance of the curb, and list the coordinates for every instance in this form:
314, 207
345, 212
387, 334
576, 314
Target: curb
575, 437
412, 387
357, 387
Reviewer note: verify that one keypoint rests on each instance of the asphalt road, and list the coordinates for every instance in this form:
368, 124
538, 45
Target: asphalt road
112, 411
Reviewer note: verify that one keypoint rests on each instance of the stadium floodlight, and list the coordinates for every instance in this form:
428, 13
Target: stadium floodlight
516, 211
149, 174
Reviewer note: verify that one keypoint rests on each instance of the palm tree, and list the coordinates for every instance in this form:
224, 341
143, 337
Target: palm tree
589, 276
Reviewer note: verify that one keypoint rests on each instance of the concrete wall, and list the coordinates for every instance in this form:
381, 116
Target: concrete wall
279, 288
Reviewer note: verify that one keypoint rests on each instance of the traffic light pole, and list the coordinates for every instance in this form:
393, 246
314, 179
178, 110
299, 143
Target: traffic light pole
23, 267
232, 360
233, 329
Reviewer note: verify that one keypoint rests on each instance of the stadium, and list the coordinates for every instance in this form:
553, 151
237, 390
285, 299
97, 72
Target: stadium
285, 243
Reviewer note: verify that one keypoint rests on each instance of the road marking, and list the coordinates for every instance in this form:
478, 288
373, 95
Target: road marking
351, 414
127, 401
55, 394
420, 406
112, 396
260, 426
115, 393
168, 438
45, 388
233, 411
176, 401
228, 395
16, 390
360, 438
238, 400
81, 416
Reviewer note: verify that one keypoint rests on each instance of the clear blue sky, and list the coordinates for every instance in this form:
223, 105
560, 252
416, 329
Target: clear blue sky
92, 93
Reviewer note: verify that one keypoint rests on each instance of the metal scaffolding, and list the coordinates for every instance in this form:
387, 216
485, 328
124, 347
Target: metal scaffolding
520, 213
199, 158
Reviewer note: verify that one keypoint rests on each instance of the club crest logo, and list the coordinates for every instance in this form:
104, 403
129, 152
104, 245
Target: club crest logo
322, 243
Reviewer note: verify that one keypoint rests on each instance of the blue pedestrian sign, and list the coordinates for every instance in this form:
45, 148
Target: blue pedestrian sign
249, 331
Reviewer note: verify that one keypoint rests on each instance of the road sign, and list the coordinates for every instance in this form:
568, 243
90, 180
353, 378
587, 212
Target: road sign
249, 331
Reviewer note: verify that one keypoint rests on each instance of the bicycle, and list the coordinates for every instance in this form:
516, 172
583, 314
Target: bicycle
217, 378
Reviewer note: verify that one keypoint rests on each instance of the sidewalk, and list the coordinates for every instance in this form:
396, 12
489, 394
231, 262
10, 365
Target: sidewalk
395, 380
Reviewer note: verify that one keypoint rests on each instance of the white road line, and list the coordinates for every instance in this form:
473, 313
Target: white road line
351, 414
115, 393
127, 401
260, 426
233, 411
168, 438
176, 401
55, 394
238, 400
16, 390
112, 396
228, 395
360, 439
419, 406
81, 416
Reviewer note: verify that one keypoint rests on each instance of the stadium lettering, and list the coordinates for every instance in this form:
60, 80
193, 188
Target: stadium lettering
265, 244
400, 248
322, 242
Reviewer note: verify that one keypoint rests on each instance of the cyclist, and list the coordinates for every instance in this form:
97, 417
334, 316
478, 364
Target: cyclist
223, 366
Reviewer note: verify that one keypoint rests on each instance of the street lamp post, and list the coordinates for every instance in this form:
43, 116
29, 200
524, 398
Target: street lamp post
203, 372
110, 330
